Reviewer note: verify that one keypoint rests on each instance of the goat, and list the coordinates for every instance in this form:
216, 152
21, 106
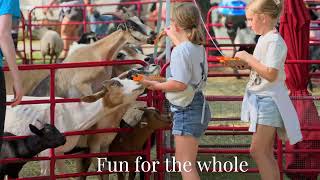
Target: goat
75, 83
51, 44
29, 80
129, 52
134, 141
47, 137
105, 109
116, 104
88, 38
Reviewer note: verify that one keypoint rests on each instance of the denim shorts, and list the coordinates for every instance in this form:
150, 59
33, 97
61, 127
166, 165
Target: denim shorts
268, 113
187, 120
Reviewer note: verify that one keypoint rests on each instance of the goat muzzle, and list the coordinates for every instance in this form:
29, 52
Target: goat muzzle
152, 39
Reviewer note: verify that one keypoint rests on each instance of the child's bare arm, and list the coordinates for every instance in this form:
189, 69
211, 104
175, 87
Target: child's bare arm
8, 50
170, 85
268, 73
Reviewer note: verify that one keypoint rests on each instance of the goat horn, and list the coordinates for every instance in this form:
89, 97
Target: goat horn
160, 36
123, 75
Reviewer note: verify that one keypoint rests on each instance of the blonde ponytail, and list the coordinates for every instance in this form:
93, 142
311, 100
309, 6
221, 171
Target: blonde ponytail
273, 8
196, 35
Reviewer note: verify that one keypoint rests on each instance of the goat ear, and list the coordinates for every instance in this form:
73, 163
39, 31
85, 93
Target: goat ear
35, 130
94, 97
106, 83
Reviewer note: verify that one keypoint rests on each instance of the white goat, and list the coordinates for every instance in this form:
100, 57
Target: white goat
105, 110
51, 44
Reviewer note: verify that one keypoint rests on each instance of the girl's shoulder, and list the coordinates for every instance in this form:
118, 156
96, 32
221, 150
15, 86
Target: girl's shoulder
187, 47
274, 36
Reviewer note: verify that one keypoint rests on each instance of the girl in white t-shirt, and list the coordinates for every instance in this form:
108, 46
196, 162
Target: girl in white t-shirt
266, 102
189, 68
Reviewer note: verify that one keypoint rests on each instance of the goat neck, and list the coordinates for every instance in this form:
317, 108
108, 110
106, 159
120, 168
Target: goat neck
30, 146
112, 44
142, 134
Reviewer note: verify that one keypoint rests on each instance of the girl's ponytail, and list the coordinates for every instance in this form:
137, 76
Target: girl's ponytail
270, 7
186, 15
196, 35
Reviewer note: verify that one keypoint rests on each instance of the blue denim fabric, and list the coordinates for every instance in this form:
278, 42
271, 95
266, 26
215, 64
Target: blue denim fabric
268, 113
101, 28
187, 120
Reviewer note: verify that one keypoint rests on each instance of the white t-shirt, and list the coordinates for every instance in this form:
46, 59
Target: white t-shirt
271, 51
186, 61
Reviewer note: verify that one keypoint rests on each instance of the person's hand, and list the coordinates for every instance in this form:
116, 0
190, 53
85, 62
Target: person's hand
148, 84
171, 34
242, 55
17, 89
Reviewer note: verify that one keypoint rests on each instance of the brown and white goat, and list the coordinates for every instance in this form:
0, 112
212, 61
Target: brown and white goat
151, 121
116, 100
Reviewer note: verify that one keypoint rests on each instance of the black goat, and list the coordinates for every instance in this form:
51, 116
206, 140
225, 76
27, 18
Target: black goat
47, 137
88, 38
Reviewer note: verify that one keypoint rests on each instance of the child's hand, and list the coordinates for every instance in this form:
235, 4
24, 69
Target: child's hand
243, 55
148, 84
171, 34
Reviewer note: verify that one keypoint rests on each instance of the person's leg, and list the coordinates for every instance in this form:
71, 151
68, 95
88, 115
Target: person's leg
2, 105
186, 151
68, 34
261, 151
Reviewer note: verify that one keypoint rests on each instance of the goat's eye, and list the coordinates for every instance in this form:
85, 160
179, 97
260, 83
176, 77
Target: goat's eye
121, 56
116, 84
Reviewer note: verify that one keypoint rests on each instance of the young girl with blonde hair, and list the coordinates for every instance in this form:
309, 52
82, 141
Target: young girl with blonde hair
189, 68
266, 102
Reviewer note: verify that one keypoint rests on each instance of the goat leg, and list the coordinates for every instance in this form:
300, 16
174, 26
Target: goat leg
132, 175
44, 58
84, 167
51, 59
55, 59
94, 145
121, 176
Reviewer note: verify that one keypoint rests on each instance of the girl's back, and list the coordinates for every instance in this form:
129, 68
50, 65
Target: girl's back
188, 57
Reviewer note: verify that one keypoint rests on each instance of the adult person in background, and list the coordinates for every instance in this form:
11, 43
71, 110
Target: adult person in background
15, 35
69, 32
8, 11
